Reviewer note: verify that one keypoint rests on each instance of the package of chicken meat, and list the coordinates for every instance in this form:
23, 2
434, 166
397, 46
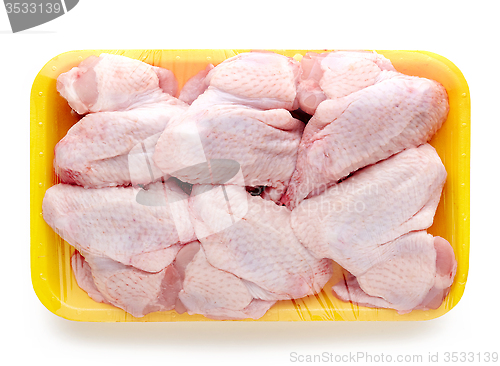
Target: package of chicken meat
256, 185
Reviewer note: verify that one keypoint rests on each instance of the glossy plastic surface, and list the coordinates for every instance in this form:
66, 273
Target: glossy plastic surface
51, 117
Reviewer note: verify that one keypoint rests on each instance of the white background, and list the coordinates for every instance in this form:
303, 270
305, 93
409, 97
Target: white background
464, 32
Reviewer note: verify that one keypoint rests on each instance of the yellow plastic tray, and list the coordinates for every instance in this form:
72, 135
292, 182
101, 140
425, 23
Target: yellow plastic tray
51, 118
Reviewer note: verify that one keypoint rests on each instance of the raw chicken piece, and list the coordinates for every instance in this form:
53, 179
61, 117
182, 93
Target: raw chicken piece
337, 74
204, 145
114, 148
139, 293
351, 221
137, 227
83, 277
112, 83
218, 294
135, 291
417, 276
367, 126
209, 145
262, 80
372, 225
251, 238
195, 86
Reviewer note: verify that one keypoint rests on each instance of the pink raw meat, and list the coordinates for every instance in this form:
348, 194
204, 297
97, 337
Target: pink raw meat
348, 133
351, 221
113, 83
141, 228
337, 74
218, 294
251, 238
372, 224
417, 276
214, 134
264, 80
135, 291
114, 148
83, 277
212, 248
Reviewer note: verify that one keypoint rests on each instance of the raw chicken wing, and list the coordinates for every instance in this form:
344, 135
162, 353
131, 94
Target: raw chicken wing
262, 80
135, 291
114, 83
351, 220
218, 294
114, 148
348, 133
416, 276
137, 227
230, 137
337, 74
368, 224
251, 238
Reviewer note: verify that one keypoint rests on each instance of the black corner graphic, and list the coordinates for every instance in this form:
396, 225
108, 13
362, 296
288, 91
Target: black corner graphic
70, 4
26, 14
